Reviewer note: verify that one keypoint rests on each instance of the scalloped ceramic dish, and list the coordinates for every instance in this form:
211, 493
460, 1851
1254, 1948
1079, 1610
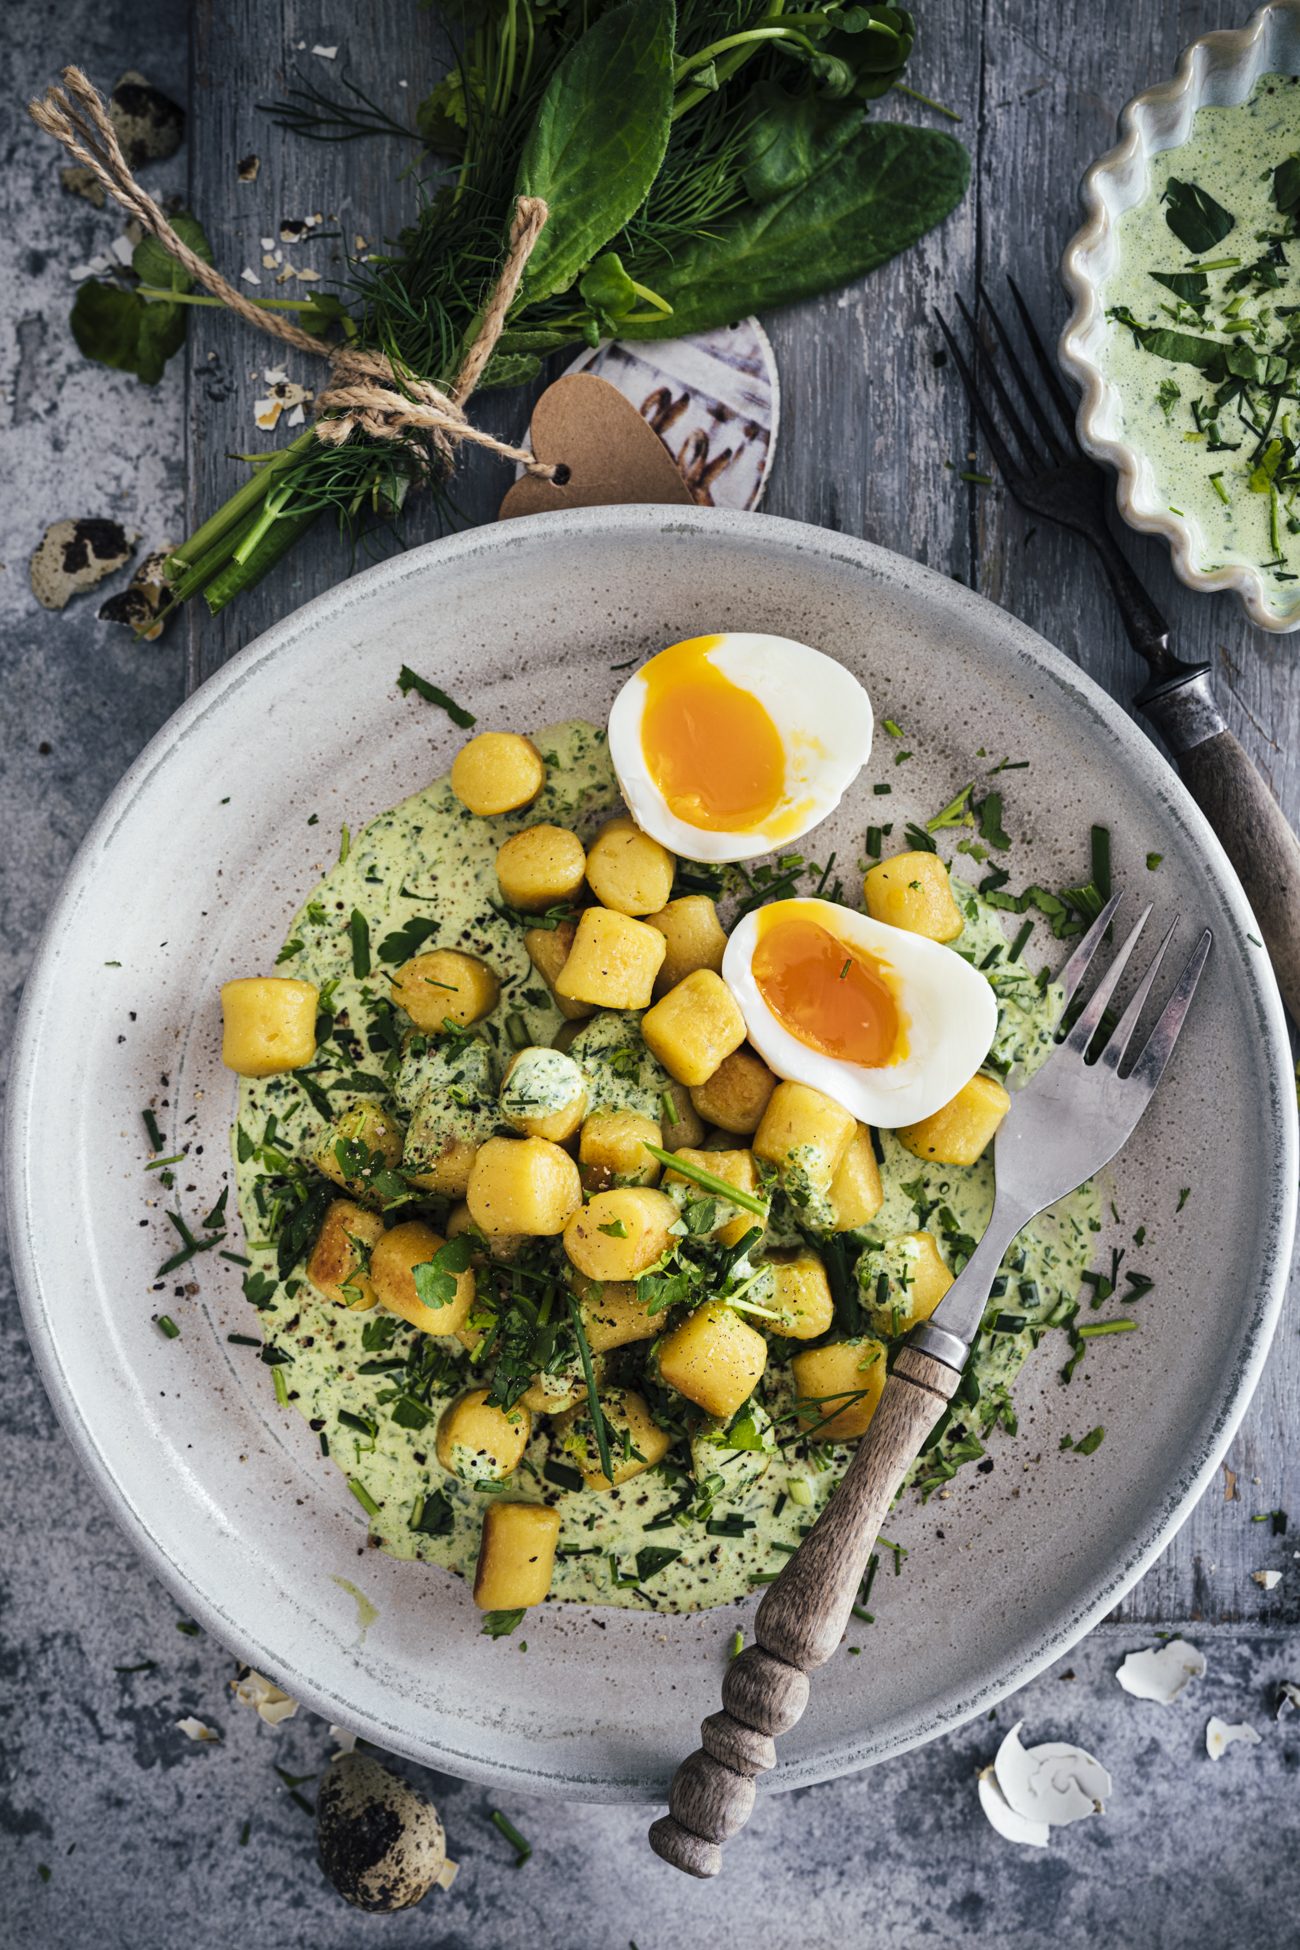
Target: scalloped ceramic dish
1219, 69
191, 874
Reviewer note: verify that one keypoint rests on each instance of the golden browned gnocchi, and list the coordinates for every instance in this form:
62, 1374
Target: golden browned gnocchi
497, 772
628, 871
524, 1185
618, 1234
541, 867
613, 961
694, 1027
269, 1024
444, 986
962, 1131
516, 1557
913, 891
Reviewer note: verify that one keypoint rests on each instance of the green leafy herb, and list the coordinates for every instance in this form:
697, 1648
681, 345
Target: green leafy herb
499, 1625
652, 1559
598, 139
437, 1281
699, 162
432, 1515
1194, 217
120, 327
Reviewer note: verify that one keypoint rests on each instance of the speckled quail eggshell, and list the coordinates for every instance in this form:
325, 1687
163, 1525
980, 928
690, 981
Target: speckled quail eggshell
380, 1843
951, 1018
825, 722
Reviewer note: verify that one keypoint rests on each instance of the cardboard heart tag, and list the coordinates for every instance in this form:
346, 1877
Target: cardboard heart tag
611, 454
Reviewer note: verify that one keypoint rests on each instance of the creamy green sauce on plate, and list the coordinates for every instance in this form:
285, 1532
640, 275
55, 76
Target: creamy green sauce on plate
1203, 341
371, 1387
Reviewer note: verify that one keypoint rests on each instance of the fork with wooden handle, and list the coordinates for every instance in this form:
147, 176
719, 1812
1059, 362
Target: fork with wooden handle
1065, 1124
1030, 433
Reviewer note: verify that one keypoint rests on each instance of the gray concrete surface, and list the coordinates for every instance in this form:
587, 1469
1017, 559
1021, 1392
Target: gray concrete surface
117, 1832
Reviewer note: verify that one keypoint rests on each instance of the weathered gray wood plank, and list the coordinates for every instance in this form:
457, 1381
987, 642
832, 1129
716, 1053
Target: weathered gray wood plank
875, 434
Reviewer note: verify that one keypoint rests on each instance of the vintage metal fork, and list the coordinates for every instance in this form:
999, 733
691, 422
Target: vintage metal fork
1028, 423
1065, 1124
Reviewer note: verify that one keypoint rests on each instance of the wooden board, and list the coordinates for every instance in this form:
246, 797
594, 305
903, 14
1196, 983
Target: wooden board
875, 437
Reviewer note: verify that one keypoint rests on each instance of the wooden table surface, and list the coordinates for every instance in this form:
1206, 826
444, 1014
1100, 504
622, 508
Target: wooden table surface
874, 435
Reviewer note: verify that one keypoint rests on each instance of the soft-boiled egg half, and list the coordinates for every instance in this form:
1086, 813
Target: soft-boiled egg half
888, 1023
728, 746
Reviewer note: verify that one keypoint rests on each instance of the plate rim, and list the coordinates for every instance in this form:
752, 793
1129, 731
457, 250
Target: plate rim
744, 528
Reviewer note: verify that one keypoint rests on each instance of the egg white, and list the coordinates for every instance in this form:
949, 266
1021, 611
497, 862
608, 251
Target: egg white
825, 722
950, 1012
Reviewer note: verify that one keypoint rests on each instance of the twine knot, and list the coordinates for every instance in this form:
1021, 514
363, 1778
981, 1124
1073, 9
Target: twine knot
367, 392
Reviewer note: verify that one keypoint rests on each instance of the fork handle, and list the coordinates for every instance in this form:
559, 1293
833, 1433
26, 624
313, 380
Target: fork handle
798, 1626
1252, 827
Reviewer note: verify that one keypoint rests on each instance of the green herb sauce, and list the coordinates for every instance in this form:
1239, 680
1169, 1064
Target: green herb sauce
1203, 344
422, 876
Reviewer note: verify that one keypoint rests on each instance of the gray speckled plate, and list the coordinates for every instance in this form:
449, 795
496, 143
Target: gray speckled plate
191, 874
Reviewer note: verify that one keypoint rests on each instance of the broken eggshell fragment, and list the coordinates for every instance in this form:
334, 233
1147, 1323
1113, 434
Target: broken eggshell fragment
1011, 1826
145, 605
1219, 1736
1161, 1673
270, 1702
1055, 1782
380, 1843
148, 124
72, 556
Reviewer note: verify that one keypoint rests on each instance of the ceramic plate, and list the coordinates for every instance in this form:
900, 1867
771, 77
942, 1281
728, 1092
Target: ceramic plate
191, 874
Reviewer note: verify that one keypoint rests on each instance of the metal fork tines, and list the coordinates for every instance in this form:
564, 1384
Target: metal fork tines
1074, 1114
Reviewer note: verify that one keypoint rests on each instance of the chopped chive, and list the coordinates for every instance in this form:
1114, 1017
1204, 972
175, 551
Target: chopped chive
720, 1187
409, 680
167, 1326
589, 1376
1101, 861
1018, 945
523, 1849
151, 1126
361, 1493
280, 1386
1099, 1327
359, 930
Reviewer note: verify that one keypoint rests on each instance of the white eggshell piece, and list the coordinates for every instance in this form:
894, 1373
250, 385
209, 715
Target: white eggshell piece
1011, 1826
825, 722
951, 1018
1219, 1736
1161, 1673
195, 1730
1267, 1580
1055, 1782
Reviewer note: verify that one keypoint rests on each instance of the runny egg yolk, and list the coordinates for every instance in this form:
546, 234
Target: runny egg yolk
711, 748
832, 996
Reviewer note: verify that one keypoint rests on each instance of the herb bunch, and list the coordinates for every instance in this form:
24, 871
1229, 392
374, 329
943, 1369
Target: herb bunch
700, 161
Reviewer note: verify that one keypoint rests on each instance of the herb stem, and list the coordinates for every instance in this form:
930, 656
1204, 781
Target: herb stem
926, 101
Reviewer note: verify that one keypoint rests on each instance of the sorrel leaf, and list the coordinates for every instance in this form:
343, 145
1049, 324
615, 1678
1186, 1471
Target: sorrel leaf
599, 139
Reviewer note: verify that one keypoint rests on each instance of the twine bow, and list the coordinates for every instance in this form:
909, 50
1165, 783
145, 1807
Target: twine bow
367, 392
